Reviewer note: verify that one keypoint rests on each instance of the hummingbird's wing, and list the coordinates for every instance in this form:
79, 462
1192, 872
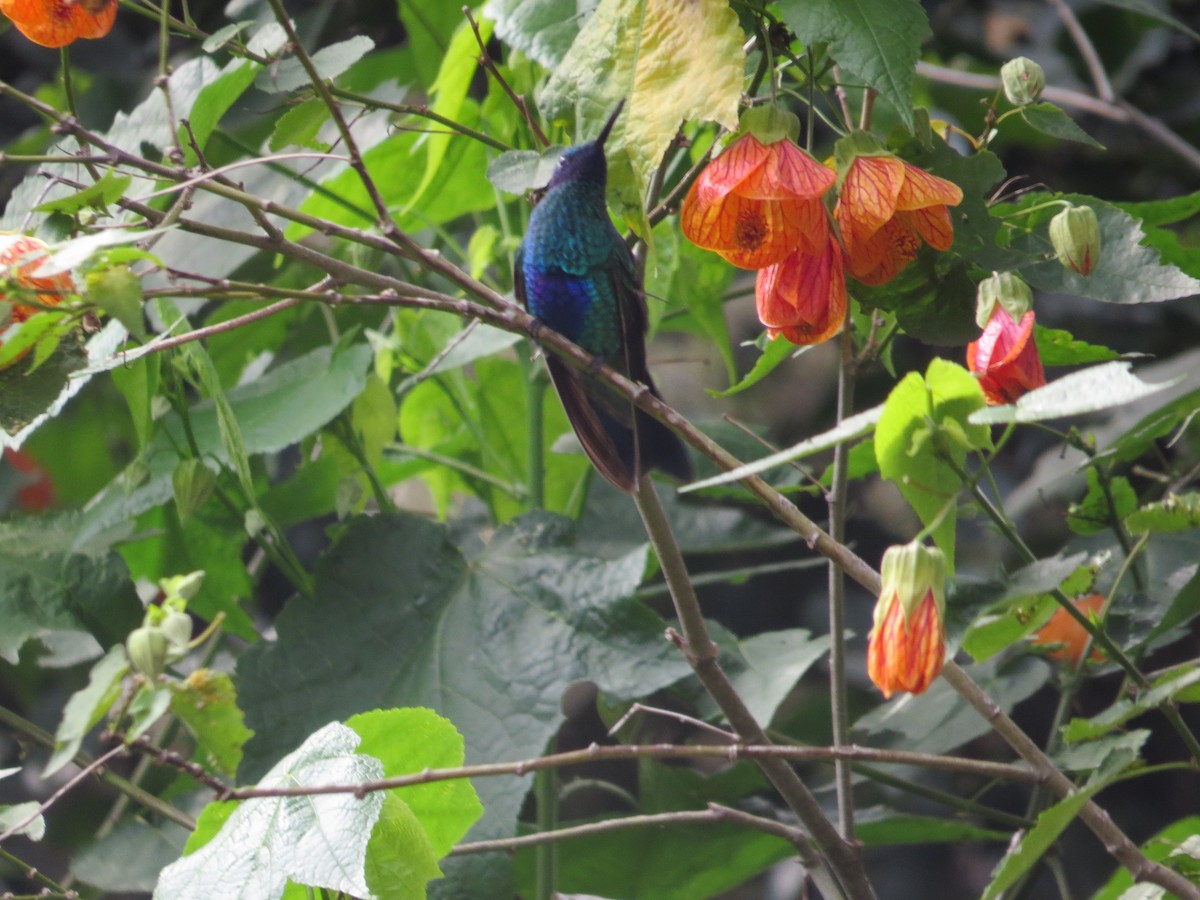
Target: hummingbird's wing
608, 442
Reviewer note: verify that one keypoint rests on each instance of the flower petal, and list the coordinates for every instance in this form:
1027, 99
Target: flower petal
888, 251
803, 298
788, 172
56, 23
934, 226
1005, 358
920, 189
869, 194
752, 233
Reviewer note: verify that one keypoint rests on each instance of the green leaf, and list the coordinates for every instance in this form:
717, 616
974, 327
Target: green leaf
400, 861
206, 703
1037, 841
319, 840
429, 28
217, 91
138, 382
118, 292
878, 40
300, 125
906, 452
542, 29
773, 354
413, 740
1049, 119
1090, 755
1133, 443
1124, 709
1177, 512
88, 706
450, 90
44, 588
765, 667
28, 398
330, 62
1094, 514
129, 858
13, 814
1088, 390
518, 171
632, 50
428, 627
108, 189
851, 428
1059, 348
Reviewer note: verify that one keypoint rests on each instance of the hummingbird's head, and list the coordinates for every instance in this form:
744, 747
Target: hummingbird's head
585, 162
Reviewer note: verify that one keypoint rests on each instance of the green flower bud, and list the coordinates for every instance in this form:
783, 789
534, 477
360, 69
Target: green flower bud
147, 647
1006, 289
1075, 234
909, 573
1023, 81
182, 587
177, 627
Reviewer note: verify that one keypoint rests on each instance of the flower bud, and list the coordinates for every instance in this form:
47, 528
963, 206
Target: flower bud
1006, 289
147, 647
177, 628
1075, 234
1023, 81
907, 645
1067, 637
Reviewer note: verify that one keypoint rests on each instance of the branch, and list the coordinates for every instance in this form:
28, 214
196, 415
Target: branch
715, 814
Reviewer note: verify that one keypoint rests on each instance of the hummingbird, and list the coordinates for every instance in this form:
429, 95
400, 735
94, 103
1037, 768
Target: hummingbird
575, 273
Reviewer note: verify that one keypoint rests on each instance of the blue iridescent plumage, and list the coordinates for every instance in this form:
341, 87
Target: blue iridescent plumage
575, 273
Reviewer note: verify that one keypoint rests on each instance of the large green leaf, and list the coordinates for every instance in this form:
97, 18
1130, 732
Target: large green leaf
44, 587
877, 40
543, 29
670, 62
88, 706
1088, 390
318, 840
401, 617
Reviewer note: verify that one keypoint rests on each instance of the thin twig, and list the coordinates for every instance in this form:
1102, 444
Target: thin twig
1087, 50
485, 60
82, 775
714, 815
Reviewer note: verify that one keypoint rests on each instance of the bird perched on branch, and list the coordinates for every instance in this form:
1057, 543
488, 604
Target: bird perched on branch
575, 274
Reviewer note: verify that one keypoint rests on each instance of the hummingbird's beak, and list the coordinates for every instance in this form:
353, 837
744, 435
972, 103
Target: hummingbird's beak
603, 135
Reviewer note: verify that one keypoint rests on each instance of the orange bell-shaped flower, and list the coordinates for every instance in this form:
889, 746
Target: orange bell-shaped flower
56, 23
20, 258
886, 208
803, 298
907, 645
756, 203
1063, 630
1005, 358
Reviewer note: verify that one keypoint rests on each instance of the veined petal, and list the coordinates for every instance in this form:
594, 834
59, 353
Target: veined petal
890, 249
1005, 358
869, 194
934, 225
920, 189
788, 172
739, 161
803, 298
753, 233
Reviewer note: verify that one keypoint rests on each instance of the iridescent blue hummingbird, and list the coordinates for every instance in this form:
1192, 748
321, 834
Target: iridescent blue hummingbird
574, 273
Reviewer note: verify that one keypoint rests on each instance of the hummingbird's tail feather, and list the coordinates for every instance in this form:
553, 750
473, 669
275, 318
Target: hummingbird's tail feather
621, 454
